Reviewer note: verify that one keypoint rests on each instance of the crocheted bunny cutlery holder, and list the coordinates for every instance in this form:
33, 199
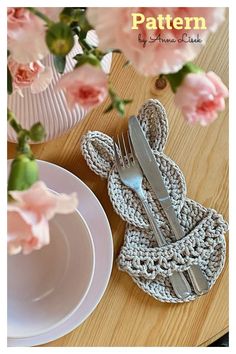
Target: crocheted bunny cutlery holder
147, 264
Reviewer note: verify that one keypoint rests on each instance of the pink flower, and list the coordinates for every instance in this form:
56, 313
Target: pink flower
86, 85
28, 216
26, 33
113, 27
17, 18
201, 97
33, 75
51, 12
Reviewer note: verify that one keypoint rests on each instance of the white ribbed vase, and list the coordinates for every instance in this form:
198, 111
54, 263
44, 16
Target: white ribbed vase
49, 107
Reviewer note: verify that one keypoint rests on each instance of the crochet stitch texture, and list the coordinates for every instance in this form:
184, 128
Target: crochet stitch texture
147, 264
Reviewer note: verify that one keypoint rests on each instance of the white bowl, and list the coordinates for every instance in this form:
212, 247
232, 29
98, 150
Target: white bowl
47, 286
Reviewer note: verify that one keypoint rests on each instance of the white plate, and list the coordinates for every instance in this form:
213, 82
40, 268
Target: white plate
61, 180
61, 273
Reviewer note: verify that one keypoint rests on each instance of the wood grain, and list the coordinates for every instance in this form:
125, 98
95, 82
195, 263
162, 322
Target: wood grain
126, 316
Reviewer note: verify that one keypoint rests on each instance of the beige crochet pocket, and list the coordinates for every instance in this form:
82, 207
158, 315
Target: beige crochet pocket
147, 264
128, 205
150, 265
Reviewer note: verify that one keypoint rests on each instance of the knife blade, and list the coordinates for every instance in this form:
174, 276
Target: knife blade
152, 172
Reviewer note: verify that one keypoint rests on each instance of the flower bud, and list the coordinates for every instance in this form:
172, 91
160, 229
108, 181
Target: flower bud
59, 39
90, 59
175, 79
37, 132
24, 172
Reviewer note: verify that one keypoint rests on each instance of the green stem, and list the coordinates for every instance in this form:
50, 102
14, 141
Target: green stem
12, 121
112, 92
22, 134
23, 146
85, 46
41, 15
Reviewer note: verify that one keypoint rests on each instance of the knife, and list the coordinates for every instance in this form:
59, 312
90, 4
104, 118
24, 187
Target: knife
151, 170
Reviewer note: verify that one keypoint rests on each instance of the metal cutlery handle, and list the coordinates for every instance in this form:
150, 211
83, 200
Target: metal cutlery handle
161, 241
179, 282
198, 279
180, 285
150, 167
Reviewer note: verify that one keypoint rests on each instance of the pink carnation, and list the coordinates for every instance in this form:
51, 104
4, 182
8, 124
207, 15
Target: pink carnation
86, 85
201, 96
33, 75
26, 33
28, 215
113, 27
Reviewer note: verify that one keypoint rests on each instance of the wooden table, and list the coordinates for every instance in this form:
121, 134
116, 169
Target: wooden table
126, 316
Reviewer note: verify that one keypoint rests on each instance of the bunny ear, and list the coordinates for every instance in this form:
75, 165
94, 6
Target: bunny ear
97, 149
153, 120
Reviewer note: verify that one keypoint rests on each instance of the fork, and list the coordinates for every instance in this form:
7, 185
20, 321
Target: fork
131, 175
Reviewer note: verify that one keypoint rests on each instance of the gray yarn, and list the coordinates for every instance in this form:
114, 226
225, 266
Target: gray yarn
147, 264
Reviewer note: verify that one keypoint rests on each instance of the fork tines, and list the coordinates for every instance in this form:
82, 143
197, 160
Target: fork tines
124, 151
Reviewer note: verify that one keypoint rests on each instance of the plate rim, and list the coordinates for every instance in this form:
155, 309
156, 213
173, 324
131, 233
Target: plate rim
66, 318
33, 341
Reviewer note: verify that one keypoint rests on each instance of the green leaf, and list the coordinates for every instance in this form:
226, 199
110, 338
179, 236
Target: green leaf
59, 63
120, 107
177, 78
77, 56
59, 39
127, 101
9, 82
109, 108
117, 103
